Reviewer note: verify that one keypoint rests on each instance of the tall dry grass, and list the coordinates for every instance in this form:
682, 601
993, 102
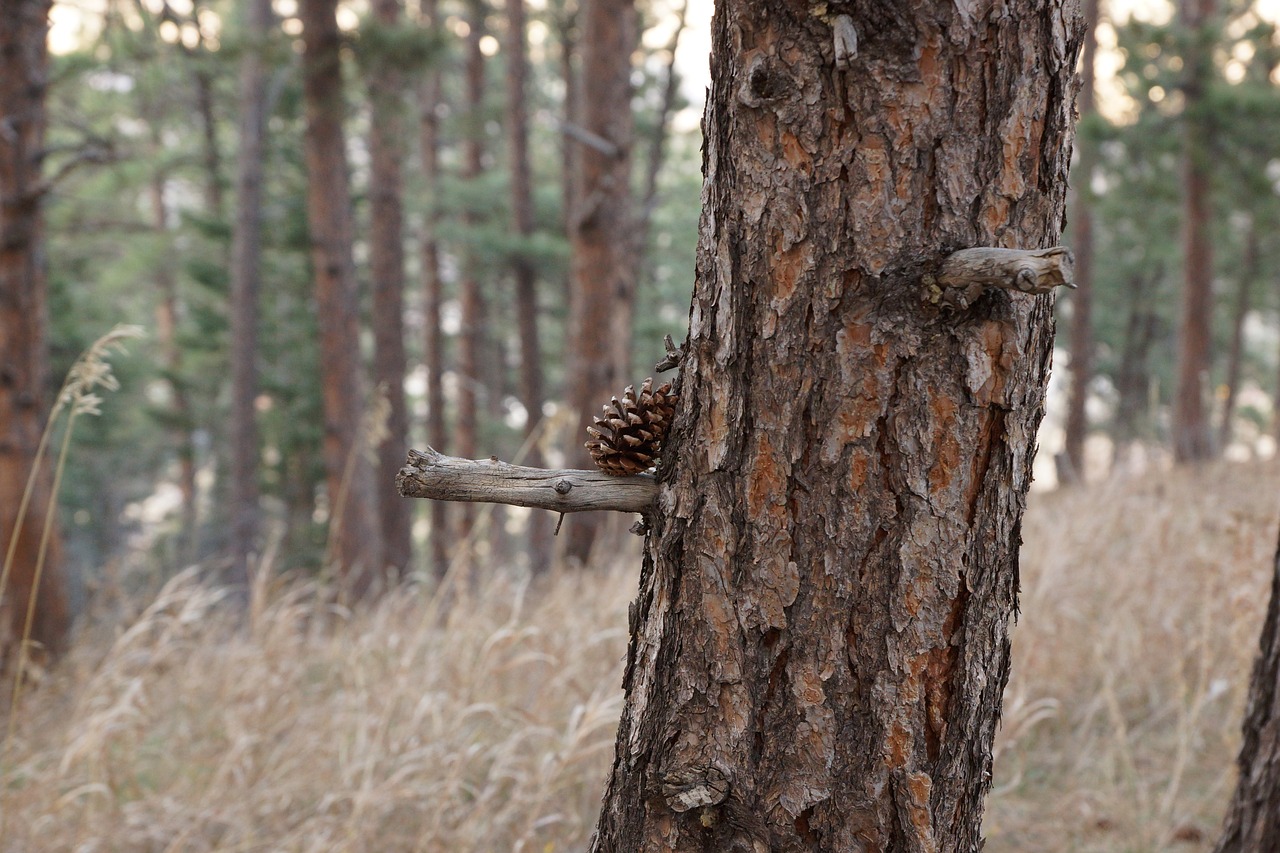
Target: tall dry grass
314, 729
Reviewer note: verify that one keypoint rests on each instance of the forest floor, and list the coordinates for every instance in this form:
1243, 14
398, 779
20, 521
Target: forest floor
308, 728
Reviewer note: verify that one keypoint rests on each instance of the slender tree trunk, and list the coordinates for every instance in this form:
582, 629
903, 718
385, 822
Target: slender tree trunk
602, 288
432, 289
355, 536
167, 311
1253, 818
526, 292
1133, 378
1240, 311
1191, 433
24, 395
567, 31
386, 260
211, 150
1081, 363
471, 335
821, 637
246, 272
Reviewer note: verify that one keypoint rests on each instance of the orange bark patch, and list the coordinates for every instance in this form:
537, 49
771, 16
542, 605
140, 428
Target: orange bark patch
899, 744
946, 445
788, 265
795, 153
766, 481
859, 463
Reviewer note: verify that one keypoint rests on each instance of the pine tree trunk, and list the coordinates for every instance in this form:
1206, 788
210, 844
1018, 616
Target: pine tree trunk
24, 395
386, 262
1077, 426
246, 274
1133, 378
602, 284
821, 639
526, 292
355, 536
472, 334
1239, 313
432, 290
1191, 434
1253, 818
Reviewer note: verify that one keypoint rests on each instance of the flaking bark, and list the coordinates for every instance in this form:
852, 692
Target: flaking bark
821, 637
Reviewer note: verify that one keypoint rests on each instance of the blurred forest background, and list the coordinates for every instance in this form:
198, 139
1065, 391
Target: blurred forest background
354, 228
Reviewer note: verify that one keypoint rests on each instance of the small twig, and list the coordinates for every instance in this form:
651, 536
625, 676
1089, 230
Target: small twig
674, 356
586, 137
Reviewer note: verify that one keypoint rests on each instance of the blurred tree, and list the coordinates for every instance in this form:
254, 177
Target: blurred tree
355, 535
386, 266
246, 280
32, 569
1081, 219
602, 283
522, 265
820, 642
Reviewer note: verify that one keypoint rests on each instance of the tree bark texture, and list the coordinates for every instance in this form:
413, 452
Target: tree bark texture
1253, 818
523, 270
386, 263
24, 328
429, 102
1077, 426
246, 281
821, 637
602, 277
1192, 440
355, 536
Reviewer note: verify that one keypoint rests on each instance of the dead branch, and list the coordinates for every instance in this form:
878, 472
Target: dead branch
429, 474
965, 274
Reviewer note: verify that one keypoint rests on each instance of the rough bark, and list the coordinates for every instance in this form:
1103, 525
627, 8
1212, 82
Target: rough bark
386, 263
432, 287
522, 267
1253, 818
602, 278
1239, 313
24, 332
355, 536
1077, 426
1192, 440
821, 637
246, 272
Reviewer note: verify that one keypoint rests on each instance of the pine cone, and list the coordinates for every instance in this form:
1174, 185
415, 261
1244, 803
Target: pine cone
628, 438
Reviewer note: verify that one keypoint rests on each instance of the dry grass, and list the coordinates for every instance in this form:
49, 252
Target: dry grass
312, 729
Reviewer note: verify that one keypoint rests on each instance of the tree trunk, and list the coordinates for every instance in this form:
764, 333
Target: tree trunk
1253, 818
355, 536
386, 261
526, 293
1191, 435
432, 289
171, 355
23, 334
821, 639
1081, 363
602, 285
246, 271
471, 335
1240, 311
1133, 377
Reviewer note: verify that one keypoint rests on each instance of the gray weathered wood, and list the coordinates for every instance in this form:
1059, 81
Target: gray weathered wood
965, 274
430, 474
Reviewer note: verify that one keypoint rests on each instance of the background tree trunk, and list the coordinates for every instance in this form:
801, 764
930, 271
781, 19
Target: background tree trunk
821, 638
386, 262
526, 293
246, 271
24, 61
1253, 818
1239, 313
1077, 427
355, 536
1191, 433
602, 283
432, 289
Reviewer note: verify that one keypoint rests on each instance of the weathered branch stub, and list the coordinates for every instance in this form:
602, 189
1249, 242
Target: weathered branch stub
430, 474
965, 274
